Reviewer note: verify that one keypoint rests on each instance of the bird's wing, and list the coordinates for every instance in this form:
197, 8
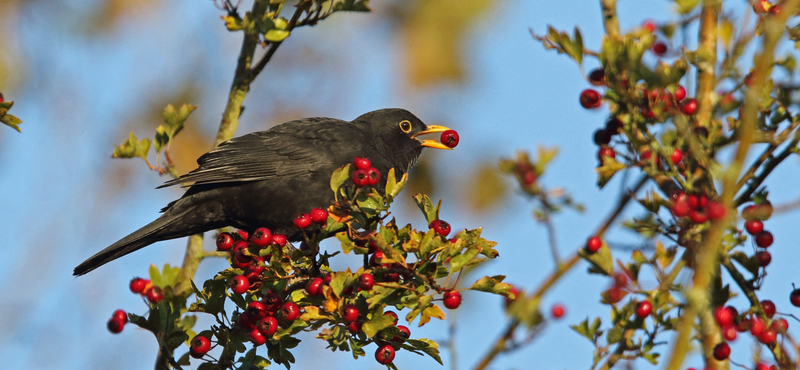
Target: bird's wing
290, 149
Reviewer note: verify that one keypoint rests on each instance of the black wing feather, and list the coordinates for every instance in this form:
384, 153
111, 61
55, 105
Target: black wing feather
290, 149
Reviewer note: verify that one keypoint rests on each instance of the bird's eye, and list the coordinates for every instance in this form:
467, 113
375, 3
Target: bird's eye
405, 126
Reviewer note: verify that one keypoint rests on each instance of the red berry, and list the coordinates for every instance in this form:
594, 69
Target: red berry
615, 294
768, 336
659, 48
373, 176
449, 138
375, 259
314, 286
393, 315
593, 244
240, 284
279, 239
680, 93
199, 347
729, 333
319, 216
405, 333
689, 106
138, 284
289, 312
724, 316
757, 326
762, 366
361, 178
366, 281
452, 299
605, 152
362, 163
716, 211
558, 310
440, 227
769, 308
243, 234
385, 354
680, 208
261, 237
155, 294
247, 322
225, 241
237, 248
753, 226
643, 309
302, 221
698, 216
350, 313
722, 351
763, 258
517, 293
649, 26
272, 302
676, 156
392, 277
795, 297
764, 239
780, 325
115, 325
120, 315
590, 99
597, 77
256, 309
256, 337
2, 99
355, 326
268, 325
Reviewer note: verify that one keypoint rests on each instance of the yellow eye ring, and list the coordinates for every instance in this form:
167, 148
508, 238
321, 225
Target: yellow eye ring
405, 126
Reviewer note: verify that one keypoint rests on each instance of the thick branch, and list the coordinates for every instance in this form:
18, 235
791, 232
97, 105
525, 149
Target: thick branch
610, 21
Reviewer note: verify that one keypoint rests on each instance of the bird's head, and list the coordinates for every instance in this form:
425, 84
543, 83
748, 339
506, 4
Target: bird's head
398, 130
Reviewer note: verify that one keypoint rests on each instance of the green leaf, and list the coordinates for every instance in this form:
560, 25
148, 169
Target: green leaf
602, 259
425, 204
431, 348
174, 119
493, 284
339, 176
11, 121
161, 139
275, 35
607, 170
378, 323
393, 187
132, 147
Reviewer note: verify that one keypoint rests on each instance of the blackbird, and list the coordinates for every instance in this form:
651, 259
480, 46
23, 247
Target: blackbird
264, 179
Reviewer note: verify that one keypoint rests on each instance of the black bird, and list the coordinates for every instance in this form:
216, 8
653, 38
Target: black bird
266, 178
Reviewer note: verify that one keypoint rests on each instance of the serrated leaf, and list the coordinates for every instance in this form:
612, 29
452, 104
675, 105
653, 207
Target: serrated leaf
393, 186
429, 312
425, 204
378, 323
174, 119
132, 147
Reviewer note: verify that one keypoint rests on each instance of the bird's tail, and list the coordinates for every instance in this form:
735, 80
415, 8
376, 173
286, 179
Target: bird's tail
155, 231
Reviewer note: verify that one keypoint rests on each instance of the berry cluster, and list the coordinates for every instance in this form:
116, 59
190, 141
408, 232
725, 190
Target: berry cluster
755, 215
143, 287
696, 208
765, 330
365, 174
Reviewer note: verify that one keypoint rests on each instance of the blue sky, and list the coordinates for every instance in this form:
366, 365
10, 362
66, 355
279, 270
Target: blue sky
64, 198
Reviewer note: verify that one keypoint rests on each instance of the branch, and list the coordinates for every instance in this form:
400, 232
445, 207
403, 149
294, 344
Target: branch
508, 334
610, 21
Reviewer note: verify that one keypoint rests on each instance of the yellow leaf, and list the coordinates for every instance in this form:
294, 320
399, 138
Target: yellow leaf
431, 311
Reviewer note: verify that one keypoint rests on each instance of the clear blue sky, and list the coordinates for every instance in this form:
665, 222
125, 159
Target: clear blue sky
60, 201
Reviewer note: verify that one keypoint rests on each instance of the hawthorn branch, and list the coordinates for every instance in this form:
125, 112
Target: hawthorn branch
698, 296
500, 344
610, 20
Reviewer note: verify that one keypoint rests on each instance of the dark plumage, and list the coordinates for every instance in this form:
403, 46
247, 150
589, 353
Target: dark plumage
266, 178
